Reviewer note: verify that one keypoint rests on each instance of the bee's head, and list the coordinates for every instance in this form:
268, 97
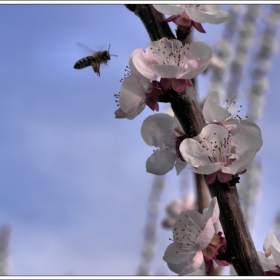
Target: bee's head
106, 55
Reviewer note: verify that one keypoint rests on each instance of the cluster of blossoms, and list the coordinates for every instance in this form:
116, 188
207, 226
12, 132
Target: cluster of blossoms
168, 60
224, 147
197, 241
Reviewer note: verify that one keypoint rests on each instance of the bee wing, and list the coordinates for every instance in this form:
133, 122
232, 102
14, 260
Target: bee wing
85, 48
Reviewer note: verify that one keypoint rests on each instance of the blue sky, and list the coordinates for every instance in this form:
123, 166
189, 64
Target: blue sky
73, 182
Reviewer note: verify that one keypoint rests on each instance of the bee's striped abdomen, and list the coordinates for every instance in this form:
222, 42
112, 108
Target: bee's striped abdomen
84, 62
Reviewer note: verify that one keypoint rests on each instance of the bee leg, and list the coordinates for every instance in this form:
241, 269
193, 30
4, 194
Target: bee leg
96, 67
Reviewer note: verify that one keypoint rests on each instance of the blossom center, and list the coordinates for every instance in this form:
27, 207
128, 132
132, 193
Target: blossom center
170, 54
187, 233
218, 150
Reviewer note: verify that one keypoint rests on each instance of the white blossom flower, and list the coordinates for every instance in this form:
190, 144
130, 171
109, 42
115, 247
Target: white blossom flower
188, 15
218, 153
164, 132
227, 115
193, 235
271, 247
174, 63
136, 92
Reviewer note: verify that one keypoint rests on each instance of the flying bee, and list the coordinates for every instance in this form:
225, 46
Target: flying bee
94, 60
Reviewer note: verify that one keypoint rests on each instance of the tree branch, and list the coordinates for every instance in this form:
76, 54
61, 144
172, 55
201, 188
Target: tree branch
152, 20
241, 251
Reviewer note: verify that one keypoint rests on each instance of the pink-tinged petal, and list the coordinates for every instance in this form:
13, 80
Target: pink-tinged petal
174, 254
179, 166
214, 95
248, 126
212, 110
131, 86
218, 227
198, 56
271, 240
177, 268
224, 177
194, 71
267, 263
214, 17
132, 68
199, 27
245, 140
205, 237
131, 99
252, 127
194, 265
169, 9
275, 254
165, 83
119, 114
210, 168
212, 131
241, 160
160, 162
198, 50
195, 216
158, 129
209, 265
143, 62
192, 152
168, 71
178, 84
199, 272
213, 211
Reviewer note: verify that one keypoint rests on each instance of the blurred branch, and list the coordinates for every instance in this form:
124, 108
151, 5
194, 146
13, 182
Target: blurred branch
244, 43
148, 249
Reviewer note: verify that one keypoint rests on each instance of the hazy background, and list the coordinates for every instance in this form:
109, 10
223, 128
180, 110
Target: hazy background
73, 185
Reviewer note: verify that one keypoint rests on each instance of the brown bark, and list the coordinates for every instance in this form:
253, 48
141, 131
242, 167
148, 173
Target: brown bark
152, 20
241, 251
